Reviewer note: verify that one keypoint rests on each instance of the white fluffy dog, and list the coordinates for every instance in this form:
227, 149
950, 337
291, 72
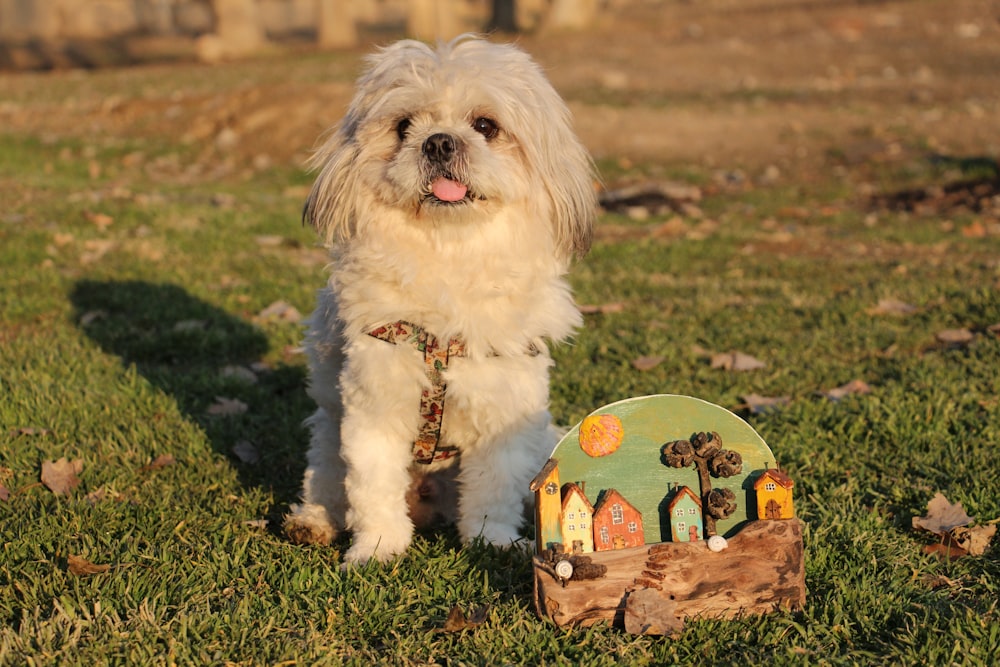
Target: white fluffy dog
453, 196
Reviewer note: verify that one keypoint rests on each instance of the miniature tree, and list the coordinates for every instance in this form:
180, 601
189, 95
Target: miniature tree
705, 451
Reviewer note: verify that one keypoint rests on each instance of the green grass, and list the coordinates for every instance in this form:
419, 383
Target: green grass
93, 366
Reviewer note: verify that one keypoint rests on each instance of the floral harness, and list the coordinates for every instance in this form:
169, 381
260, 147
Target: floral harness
427, 447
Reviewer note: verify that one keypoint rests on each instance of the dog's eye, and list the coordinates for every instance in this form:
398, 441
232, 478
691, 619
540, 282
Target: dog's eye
486, 127
401, 128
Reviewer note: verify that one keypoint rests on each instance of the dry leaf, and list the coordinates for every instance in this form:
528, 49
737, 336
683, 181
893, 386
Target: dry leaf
280, 311
955, 337
942, 516
647, 363
83, 567
853, 387
974, 539
160, 462
974, 230
29, 430
269, 240
994, 329
892, 307
246, 452
94, 497
92, 316
4, 493
736, 361
100, 220
190, 325
602, 309
227, 406
60, 477
241, 373
946, 549
758, 404
257, 523
457, 621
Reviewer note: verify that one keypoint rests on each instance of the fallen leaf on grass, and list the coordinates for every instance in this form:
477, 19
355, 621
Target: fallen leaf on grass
160, 462
279, 311
945, 549
647, 363
891, 307
994, 329
227, 406
974, 539
257, 523
100, 220
241, 373
60, 477
29, 430
736, 361
101, 494
950, 521
246, 452
4, 493
186, 326
457, 620
82, 567
942, 516
853, 387
759, 405
92, 316
603, 308
955, 337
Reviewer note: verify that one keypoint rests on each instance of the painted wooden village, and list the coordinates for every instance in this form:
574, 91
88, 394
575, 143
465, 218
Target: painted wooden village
661, 508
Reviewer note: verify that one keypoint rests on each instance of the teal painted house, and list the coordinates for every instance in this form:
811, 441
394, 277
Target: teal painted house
685, 516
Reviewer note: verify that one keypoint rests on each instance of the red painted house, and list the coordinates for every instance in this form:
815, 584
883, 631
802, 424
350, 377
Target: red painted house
617, 524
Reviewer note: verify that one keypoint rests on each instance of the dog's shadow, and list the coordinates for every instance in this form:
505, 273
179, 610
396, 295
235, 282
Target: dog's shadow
196, 353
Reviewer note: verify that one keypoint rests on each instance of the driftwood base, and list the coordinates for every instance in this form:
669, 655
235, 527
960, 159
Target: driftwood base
653, 588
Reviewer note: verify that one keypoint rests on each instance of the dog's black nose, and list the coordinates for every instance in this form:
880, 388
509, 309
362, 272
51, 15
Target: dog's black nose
439, 147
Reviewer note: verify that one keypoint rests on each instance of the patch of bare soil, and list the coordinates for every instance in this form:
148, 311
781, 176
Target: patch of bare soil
784, 89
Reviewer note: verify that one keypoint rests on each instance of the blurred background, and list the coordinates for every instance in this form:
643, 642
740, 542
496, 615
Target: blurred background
767, 88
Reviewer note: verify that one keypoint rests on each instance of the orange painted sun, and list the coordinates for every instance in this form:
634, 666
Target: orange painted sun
601, 435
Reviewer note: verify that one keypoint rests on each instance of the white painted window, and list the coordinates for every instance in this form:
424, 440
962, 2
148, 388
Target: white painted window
617, 514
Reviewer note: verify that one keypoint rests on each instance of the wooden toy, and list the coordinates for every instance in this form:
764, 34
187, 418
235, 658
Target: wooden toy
661, 508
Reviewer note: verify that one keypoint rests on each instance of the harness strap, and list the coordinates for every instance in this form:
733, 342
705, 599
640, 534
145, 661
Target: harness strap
427, 447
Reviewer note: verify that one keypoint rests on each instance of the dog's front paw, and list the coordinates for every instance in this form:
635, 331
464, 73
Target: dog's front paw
378, 547
309, 524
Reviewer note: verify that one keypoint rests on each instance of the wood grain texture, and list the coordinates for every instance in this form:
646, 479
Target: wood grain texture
761, 571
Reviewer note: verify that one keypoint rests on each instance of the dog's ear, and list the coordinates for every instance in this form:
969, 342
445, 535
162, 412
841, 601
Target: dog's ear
571, 184
332, 204
544, 129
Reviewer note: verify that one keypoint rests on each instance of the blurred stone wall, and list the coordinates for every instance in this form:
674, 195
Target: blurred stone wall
67, 19
55, 33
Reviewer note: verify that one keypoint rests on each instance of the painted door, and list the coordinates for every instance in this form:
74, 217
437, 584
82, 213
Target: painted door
772, 510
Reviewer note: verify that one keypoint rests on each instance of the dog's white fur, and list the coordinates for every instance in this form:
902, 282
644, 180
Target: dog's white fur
488, 270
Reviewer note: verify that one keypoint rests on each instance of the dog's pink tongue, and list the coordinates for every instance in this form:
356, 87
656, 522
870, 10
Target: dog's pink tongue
446, 189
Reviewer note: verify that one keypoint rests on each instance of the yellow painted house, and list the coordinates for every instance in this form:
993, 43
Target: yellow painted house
548, 506
577, 520
774, 495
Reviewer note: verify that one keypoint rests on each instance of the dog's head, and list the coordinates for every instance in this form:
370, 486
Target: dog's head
455, 134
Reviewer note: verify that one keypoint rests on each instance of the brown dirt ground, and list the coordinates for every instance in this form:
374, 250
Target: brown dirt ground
780, 88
